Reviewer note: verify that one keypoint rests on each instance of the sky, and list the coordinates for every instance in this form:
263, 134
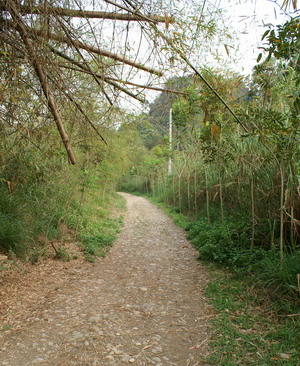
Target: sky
248, 20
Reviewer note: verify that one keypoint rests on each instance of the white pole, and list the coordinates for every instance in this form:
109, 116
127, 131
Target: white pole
170, 143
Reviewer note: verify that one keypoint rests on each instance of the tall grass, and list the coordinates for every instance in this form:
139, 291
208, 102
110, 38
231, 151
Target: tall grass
39, 195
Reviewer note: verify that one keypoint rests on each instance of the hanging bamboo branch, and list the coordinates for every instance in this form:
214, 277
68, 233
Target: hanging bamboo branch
108, 78
21, 28
78, 107
67, 33
33, 33
87, 70
74, 13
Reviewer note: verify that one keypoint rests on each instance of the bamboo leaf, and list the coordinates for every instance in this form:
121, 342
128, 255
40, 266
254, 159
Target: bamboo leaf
259, 57
265, 34
226, 49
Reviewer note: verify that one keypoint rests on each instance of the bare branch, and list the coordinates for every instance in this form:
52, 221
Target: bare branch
78, 107
67, 32
90, 72
107, 78
135, 13
74, 13
58, 38
21, 28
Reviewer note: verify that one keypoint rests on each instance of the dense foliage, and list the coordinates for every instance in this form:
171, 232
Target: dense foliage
41, 194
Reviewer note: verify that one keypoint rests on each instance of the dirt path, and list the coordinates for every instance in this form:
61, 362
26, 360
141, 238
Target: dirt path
142, 305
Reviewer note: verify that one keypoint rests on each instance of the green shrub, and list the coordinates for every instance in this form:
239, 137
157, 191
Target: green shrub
14, 232
282, 278
98, 236
228, 244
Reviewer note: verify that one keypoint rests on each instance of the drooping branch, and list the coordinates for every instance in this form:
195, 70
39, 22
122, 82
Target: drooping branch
32, 33
58, 38
135, 13
85, 62
74, 13
21, 28
87, 70
108, 78
78, 107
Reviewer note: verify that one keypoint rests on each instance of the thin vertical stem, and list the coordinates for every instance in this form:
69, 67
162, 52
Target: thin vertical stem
188, 194
207, 196
195, 191
221, 197
281, 243
273, 247
179, 193
170, 143
173, 191
293, 244
252, 210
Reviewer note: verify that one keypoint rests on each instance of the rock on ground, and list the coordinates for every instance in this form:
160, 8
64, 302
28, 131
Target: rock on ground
141, 305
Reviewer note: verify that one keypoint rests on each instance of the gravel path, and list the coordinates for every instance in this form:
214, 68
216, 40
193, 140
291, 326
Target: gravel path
141, 305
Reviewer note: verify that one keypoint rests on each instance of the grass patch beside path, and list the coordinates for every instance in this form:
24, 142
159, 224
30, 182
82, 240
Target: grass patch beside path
249, 329
99, 232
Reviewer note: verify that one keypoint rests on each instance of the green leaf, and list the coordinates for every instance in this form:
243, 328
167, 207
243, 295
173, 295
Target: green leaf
265, 34
259, 57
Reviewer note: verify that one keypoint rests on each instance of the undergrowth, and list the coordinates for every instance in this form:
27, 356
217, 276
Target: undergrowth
43, 201
228, 244
97, 230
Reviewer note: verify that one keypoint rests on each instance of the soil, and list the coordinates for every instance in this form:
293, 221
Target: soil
143, 304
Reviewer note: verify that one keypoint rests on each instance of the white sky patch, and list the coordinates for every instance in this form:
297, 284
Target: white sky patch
248, 20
